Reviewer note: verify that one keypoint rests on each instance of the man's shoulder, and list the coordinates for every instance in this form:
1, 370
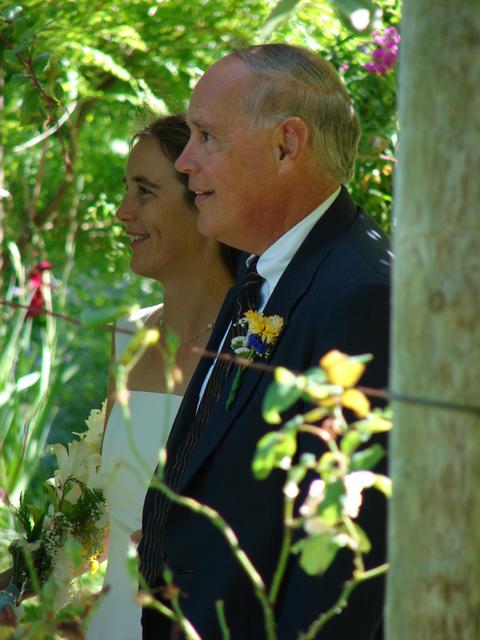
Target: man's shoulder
359, 254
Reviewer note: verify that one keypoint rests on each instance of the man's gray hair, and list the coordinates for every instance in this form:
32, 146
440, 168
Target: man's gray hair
297, 82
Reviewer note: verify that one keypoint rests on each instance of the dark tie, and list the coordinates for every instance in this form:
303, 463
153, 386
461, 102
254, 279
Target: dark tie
153, 540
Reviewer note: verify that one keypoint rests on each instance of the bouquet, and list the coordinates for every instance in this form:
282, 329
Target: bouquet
75, 513
261, 334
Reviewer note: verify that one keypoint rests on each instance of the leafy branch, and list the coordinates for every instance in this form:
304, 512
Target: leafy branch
327, 515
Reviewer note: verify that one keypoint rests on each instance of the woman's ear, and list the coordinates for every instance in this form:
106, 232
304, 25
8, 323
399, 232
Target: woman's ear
291, 139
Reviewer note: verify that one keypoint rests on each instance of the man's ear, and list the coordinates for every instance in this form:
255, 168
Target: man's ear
291, 139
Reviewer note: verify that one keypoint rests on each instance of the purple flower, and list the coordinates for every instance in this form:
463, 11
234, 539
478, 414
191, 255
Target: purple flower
256, 343
385, 54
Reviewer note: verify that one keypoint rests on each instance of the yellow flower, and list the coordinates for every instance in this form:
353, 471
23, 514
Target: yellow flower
342, 370
256, 321
273, 327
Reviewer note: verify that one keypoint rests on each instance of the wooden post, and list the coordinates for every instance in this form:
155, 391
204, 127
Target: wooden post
434, 537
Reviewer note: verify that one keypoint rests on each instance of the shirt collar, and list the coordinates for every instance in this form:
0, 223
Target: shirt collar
274, 260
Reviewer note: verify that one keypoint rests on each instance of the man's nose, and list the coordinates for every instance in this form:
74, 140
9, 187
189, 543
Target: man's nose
185, 162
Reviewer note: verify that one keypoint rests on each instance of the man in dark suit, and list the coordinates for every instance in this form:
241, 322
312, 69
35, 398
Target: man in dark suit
273, 139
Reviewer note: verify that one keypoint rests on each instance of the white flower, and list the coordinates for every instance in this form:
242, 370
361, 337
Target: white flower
78, 462
355, 483
238, 342
291, 490
316, 494
242, 351
95, 427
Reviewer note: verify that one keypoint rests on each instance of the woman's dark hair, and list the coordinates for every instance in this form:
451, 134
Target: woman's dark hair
172, 134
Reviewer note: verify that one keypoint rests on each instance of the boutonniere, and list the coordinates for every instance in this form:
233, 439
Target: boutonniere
261, 333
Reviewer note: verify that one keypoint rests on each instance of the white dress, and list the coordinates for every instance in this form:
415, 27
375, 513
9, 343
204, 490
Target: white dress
127, 474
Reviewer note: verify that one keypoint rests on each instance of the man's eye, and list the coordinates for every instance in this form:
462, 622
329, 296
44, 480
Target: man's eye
206, 137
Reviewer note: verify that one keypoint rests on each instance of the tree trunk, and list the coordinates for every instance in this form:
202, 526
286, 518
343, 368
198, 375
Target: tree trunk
434, 538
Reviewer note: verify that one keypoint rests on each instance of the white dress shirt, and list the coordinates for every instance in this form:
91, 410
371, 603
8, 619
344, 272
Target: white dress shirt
274, 260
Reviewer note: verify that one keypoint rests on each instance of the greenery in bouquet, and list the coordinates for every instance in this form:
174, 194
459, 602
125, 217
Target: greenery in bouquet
74, 515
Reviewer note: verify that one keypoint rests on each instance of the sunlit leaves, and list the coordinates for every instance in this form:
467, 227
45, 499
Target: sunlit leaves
316, 553
356, 401
279, 13
281, 394
274, 449
367, 458
336, 476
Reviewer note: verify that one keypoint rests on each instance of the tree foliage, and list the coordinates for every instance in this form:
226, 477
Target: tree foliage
79, 78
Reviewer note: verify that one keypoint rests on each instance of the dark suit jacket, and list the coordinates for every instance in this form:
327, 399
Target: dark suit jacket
333, 294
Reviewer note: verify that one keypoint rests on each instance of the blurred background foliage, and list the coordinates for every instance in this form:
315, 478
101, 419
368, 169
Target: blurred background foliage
77, 78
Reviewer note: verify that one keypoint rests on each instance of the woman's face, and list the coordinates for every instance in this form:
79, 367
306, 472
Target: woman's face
161, 225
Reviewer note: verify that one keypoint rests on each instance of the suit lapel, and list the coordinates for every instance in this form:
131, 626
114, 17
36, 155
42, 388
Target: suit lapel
294, 284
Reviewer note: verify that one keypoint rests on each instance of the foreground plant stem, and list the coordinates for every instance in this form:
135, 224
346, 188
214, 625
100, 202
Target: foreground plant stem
220, 609
342, 601
146, 599
284, 552
228, 533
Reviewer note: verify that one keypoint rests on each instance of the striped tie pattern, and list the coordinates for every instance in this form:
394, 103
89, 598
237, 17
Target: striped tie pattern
152, 547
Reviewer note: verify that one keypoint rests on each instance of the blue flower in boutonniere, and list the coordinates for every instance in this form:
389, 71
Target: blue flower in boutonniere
262, 332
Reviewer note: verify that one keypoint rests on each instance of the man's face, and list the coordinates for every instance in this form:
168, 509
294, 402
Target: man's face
231, 166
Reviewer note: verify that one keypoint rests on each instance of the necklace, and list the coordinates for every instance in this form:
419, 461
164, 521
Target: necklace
197, 335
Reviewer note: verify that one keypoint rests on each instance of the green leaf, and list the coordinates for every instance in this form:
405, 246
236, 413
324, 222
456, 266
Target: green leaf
317, 375
19, 79
383, 484
272, 448
327, 465
279, 397
364, 542
375, 423
40, 61
11, 58
297, 473
31, 104
58, 91
330, 509
279, 13
350, 442
104, 61
316, 553
367, 458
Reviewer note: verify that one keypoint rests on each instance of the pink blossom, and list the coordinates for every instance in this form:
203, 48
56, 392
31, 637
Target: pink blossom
385, 54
